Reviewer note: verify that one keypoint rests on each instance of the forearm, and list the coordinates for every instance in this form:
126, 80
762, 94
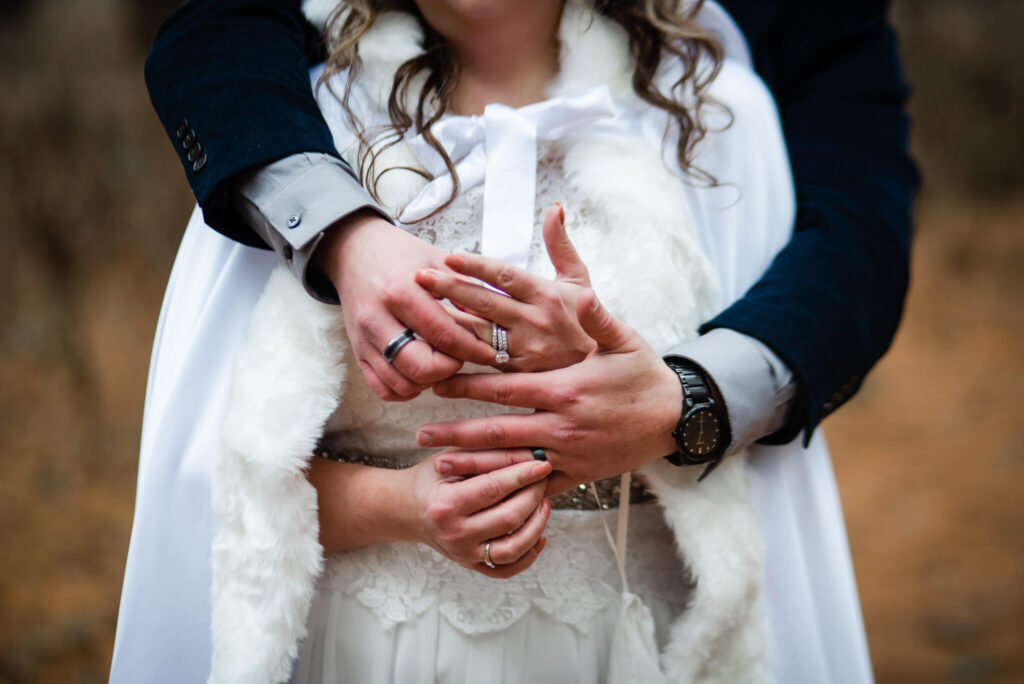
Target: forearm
360, 506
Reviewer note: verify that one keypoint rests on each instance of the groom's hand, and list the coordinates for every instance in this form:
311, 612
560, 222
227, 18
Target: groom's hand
612, 412
372, 265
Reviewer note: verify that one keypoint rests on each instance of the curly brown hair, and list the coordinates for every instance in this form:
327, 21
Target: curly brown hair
657, 29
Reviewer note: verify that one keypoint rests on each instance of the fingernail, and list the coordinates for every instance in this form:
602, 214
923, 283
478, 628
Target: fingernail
561, 212
424, 438
541, 544
427, 276
456, 262
540, 468
444, 467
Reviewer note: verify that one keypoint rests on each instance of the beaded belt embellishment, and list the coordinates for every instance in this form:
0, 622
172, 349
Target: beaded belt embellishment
579, 498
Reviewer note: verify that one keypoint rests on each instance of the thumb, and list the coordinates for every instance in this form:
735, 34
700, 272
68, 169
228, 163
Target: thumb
563, 255
610, 333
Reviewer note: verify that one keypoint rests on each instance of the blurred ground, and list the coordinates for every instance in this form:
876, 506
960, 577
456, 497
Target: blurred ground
92, 204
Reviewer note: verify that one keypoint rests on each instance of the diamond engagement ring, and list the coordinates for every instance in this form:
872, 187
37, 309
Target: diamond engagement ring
499, 340
487, 556
397, 342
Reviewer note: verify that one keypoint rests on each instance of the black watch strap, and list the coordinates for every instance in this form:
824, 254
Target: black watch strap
697, 394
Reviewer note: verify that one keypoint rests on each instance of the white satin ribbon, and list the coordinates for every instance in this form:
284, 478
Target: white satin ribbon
499, 149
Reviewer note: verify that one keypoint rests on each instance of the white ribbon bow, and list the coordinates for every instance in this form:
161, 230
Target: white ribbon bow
499, 149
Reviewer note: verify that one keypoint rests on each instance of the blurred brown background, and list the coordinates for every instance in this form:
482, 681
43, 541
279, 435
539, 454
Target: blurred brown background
929, 455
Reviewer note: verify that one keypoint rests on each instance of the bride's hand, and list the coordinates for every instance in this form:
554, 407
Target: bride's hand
493, 496
539, 314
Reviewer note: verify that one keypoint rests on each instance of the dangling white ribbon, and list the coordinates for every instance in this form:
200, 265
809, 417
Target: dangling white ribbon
634, 652
499, 149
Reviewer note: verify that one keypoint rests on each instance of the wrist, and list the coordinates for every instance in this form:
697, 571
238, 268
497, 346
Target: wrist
671, 401
702, 433
359, 505
404, 508
330, 250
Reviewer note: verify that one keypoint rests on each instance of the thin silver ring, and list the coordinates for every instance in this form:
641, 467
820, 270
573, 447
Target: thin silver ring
499, 340
487, 556
397, 342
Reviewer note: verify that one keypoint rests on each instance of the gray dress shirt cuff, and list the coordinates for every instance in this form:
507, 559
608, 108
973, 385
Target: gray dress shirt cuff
291, 202
757, 388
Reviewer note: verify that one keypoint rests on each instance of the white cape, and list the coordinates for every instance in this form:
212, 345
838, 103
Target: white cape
163, 628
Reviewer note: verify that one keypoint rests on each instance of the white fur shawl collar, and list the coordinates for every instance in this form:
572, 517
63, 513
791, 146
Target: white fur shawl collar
287, 382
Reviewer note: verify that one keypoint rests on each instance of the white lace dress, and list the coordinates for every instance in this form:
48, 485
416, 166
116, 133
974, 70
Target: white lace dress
402, 613
390, 614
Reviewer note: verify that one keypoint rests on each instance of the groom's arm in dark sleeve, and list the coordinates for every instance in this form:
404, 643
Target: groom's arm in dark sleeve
229, 80
830, 303
823, 347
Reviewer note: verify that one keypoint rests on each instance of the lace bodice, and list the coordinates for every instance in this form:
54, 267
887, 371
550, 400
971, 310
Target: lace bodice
576, 576
572, 581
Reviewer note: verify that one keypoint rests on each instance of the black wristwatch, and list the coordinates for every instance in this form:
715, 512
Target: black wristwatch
702, 433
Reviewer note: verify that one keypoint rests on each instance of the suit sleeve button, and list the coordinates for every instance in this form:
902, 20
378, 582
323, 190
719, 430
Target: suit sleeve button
194, 152
199, 163
182, 128
188, 139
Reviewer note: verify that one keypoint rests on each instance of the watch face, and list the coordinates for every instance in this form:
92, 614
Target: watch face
701, 432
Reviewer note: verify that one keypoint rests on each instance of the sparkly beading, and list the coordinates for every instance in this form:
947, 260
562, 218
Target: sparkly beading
579, 498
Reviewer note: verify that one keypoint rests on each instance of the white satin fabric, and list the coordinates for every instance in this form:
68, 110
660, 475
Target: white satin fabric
163, 627
499, 149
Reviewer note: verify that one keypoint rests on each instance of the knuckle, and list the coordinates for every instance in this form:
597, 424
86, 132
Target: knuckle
393, 292
494, 434
568, 433
443, 337
417, 372
505, 276
566, 396
501, 393
485, 305
439, 512
493, 489
365, 318
552, 300
509, 521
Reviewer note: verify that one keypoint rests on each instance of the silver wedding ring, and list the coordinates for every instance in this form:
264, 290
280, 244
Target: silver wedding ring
499, 340
397, 342
487, 556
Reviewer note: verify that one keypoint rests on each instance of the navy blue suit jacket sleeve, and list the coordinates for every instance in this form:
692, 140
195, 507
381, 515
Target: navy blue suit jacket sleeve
830, 303
236, 71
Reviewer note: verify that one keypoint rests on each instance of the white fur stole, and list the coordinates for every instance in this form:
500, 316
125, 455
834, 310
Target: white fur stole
289, 378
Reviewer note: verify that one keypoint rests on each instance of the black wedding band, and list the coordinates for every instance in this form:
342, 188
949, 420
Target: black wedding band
539, 454
396, 343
